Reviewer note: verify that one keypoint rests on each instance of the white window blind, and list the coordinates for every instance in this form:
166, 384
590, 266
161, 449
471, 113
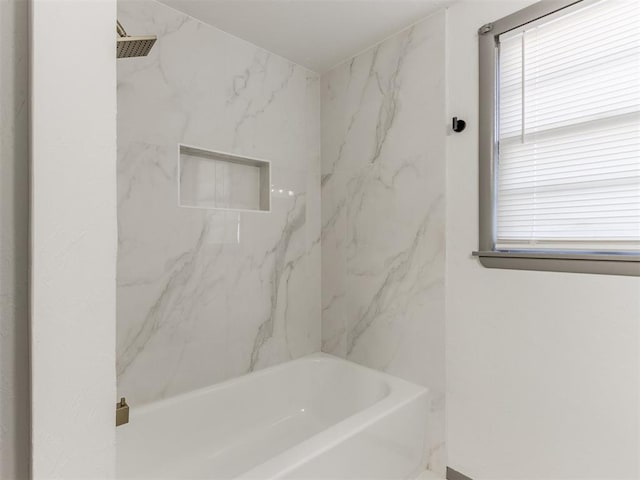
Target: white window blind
568, 171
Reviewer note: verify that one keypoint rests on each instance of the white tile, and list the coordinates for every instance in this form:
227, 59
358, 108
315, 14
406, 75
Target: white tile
204, 295
383, 178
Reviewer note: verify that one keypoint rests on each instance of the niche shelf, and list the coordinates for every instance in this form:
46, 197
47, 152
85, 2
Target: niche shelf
222, 181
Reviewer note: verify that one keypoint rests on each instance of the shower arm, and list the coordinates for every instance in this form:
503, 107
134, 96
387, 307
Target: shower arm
120, 29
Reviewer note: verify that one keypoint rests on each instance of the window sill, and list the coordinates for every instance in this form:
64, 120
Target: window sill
603, 264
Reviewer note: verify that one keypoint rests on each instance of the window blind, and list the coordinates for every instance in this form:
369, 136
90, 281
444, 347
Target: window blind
568, 141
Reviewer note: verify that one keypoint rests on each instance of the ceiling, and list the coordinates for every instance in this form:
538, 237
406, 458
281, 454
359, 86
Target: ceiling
318, 34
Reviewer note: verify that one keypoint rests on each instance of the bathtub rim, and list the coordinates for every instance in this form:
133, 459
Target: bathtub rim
333, 436
400, 394
392, 380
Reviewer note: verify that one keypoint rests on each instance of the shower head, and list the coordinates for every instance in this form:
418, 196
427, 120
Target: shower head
133, 46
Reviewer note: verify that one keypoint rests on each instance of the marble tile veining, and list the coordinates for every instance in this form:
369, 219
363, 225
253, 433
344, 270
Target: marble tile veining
351, 256
205, 295
383, 226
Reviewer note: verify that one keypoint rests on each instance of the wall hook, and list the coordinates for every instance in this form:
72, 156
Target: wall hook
458, 125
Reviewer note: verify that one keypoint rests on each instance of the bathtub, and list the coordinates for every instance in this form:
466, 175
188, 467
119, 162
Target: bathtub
318, 417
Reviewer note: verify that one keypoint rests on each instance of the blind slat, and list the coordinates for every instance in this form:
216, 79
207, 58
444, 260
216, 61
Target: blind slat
568, 156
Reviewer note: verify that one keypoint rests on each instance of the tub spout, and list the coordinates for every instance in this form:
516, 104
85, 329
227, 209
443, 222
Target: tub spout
122, 412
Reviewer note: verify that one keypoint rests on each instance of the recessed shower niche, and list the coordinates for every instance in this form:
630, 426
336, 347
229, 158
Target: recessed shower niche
223, 181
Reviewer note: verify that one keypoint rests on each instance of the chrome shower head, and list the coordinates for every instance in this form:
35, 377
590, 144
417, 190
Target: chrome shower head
133, 46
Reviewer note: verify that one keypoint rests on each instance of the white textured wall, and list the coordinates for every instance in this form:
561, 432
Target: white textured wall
383, 206
205, 295
14, 230
73, 238
542, 367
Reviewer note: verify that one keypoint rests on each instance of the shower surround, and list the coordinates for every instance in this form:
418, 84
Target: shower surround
383, 212
204, 295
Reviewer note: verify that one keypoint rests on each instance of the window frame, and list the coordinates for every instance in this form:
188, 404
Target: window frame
544, 260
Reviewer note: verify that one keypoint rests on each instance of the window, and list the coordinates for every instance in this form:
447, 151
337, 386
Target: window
560, 138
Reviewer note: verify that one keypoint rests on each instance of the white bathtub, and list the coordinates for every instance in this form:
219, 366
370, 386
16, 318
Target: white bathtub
318, 417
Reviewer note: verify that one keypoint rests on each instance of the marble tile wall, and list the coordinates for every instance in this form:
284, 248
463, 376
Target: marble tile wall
204, 295
383, 212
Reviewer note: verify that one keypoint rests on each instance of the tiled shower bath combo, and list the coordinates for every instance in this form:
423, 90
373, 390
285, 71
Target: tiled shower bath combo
264, 184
